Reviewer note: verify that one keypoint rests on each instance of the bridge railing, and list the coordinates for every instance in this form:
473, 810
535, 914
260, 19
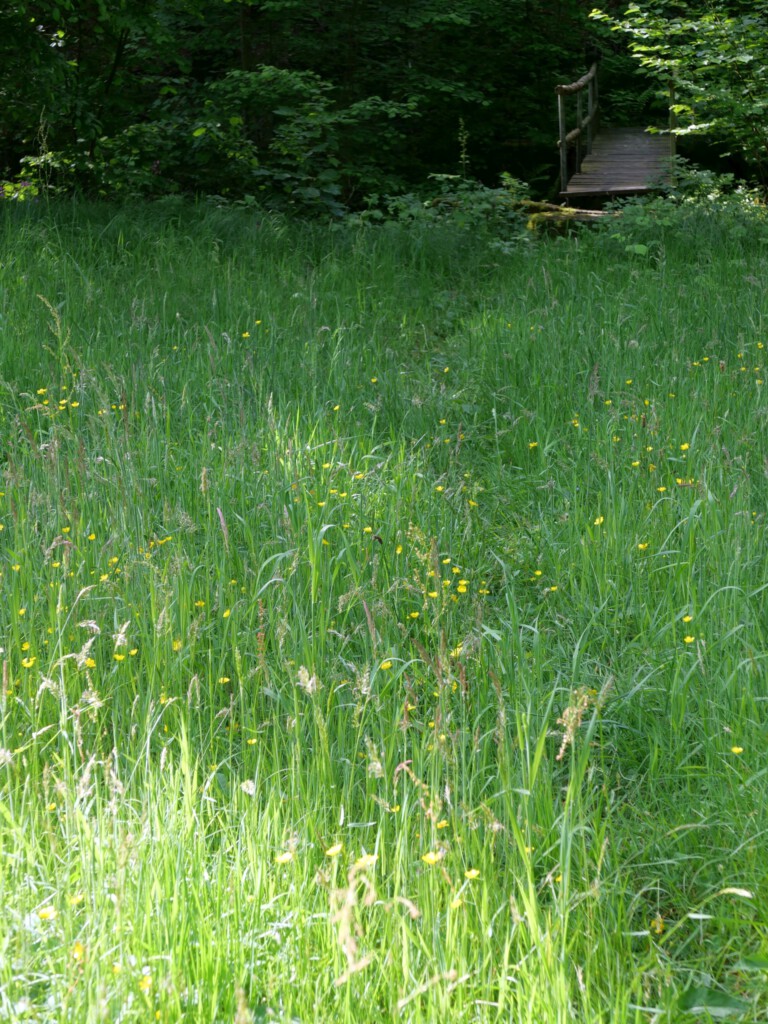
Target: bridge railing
580, 137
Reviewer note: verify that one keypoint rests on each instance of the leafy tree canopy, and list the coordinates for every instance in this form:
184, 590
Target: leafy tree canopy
317, 103
715, 55
292, 101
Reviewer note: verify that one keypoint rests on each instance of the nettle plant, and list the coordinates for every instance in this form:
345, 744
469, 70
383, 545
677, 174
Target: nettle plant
699, 207
716, 60
463, 204
272, 136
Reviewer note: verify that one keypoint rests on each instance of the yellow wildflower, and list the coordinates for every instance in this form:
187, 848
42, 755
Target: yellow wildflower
367, 860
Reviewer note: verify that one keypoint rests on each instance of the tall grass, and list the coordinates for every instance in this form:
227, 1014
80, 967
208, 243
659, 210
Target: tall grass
383, 623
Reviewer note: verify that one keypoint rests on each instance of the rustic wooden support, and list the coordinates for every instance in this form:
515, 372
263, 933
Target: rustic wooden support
542, 214
574, 137
617, 162
578, 85
592, 107
563, 141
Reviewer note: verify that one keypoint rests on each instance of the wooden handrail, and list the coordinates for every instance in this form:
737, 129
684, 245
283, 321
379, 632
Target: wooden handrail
589, 82
573, 135
578, 85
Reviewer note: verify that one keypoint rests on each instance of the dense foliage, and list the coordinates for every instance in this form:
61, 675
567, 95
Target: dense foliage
299, 102
315, 105
715, 56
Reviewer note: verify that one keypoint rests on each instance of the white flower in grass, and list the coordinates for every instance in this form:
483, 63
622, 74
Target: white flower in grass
309, 683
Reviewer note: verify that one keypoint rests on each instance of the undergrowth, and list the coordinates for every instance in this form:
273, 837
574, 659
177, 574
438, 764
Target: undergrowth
383, 629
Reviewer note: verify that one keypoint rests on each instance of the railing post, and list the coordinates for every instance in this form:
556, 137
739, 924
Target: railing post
563, 143
587, 81
672, 119
597, 105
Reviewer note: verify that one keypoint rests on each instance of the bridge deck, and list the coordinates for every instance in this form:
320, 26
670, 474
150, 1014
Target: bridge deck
623, 161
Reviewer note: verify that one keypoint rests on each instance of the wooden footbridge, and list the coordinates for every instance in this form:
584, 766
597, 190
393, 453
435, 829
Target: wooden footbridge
609, 162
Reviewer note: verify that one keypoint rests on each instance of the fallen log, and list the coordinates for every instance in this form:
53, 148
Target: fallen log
541, 213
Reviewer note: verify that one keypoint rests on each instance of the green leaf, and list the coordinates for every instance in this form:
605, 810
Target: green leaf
715, 1002
753, 963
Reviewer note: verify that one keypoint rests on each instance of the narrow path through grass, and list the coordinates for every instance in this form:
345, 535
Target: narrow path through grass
383, 623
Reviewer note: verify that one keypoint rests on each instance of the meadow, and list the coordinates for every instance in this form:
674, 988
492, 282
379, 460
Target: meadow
383, 621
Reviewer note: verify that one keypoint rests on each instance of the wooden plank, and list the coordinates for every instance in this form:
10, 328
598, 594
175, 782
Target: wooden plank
623, 160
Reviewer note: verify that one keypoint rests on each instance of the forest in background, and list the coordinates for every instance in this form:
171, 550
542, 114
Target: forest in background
313, 105
382, 598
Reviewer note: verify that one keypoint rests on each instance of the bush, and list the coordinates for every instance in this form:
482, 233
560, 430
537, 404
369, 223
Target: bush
700, 209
